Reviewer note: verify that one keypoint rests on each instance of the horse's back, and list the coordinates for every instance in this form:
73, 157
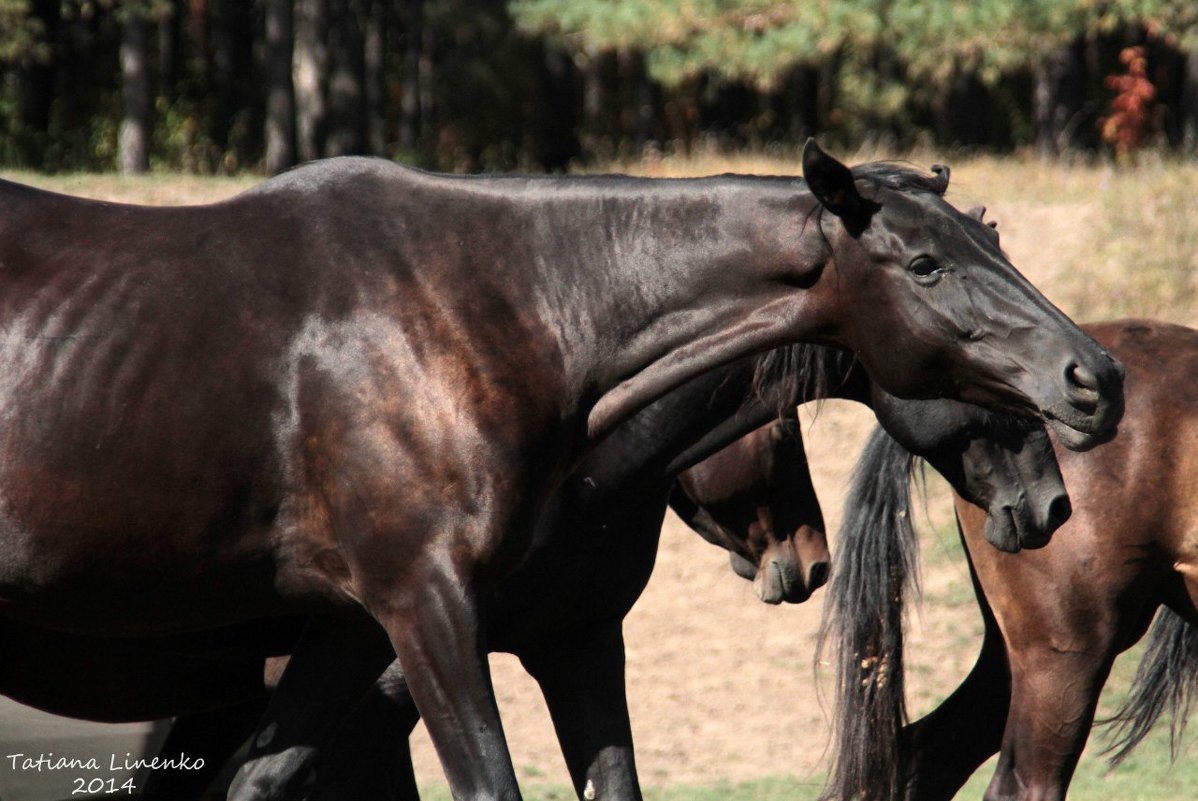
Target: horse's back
189, 396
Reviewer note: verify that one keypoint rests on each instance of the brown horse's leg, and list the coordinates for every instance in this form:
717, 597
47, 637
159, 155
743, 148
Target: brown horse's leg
1054, 691
213, 736
582, 678
943, 749
332, 667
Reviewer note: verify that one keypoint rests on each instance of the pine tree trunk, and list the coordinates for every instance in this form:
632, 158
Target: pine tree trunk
134, 136
1188, 107
309, 67
557, 120
232, 66
375, 78
280, 100
170, 41
1059, 98
35, 84
346, 93
413, 45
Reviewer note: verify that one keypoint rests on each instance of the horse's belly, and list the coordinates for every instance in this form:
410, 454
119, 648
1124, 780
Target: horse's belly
70, 574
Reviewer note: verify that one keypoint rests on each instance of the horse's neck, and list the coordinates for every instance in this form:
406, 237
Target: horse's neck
652, 283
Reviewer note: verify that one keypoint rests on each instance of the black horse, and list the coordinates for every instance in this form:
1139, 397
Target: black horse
592, 556
347, 394
595, 547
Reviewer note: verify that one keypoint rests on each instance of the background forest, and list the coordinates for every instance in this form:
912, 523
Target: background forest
230, 85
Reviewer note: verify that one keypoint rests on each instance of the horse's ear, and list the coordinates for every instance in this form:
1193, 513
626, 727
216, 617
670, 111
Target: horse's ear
979, 214
832, 184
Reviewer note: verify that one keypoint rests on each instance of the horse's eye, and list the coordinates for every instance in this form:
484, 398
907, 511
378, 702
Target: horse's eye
924, 267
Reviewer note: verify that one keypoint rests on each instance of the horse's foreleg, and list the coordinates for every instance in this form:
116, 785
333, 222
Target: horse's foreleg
582, 678
1054, 692
332, 667
433, 621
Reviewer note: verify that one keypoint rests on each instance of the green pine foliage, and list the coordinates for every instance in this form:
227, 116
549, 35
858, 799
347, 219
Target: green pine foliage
539, 83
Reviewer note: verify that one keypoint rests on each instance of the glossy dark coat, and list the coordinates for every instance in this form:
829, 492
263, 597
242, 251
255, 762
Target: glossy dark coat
349, 392
595, 546
590, 560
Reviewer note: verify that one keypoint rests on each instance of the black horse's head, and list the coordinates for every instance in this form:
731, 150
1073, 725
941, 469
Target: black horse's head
1003, 464
932, 307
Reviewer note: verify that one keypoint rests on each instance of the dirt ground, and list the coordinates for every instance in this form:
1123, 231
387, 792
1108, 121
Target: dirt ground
720, 685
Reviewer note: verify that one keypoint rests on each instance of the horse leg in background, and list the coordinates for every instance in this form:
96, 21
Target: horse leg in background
333, 665
941, 750
581, 675
370, 757
214, 736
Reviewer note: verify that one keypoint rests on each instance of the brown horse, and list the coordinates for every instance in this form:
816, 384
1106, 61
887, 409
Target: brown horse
348, 393
756, 496
1056, 618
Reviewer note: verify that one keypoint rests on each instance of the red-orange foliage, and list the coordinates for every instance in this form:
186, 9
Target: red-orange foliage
1132, 109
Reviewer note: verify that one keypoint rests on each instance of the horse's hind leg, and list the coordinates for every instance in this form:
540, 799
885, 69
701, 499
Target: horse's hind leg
1054, 692
582, 677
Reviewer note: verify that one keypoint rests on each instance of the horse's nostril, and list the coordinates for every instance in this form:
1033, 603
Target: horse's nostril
1078, 376
817, 576
1058, 512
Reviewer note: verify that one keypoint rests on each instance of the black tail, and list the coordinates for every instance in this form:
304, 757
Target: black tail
1167, 677
876, 566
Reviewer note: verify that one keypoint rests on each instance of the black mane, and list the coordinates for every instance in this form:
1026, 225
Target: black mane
787, 376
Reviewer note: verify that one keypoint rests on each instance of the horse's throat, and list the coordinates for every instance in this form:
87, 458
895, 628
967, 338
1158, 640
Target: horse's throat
755, 332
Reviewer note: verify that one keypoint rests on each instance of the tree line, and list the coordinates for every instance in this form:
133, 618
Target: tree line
227, 85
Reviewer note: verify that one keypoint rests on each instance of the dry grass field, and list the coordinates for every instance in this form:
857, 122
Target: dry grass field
725, 689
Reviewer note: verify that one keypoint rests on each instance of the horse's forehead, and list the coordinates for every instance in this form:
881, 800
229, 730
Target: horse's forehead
930, 216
